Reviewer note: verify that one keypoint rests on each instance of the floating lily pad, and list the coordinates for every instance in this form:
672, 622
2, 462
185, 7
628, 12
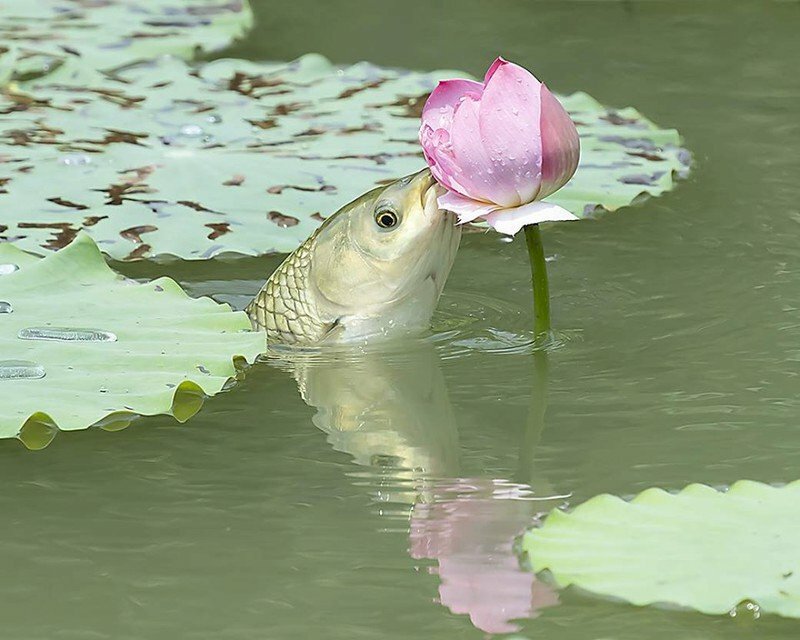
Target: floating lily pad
700, 548
161, 158
623, 156
39, 36
83, 345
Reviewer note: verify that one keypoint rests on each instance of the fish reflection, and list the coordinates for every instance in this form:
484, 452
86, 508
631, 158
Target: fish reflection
391, 412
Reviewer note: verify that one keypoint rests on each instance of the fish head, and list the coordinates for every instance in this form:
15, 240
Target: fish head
382, 261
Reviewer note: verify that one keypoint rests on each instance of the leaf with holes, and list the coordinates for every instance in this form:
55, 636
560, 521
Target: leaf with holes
237, 157
39, 37
82, 345
700, 548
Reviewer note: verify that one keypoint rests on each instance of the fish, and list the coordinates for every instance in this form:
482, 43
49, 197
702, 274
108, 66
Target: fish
375, 268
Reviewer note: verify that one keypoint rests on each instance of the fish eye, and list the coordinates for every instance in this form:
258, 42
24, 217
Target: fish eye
385, 218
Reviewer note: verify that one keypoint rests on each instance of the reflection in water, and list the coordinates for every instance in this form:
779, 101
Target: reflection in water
470, 530
390, 411
385, 409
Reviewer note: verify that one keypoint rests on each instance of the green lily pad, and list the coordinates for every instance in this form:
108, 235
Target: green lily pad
701, 548
159, 157
624, 156
81, 345
41, 35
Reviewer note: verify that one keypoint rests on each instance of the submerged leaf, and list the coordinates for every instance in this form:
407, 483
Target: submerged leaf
84, 346
161, 158
700, 548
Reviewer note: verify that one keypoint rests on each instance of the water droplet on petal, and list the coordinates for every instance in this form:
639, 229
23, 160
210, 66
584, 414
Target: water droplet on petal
192, 130
20, 370
7, 268
66, 334
5, 307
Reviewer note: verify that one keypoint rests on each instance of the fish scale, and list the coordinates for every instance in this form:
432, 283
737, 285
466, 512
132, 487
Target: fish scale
282, 307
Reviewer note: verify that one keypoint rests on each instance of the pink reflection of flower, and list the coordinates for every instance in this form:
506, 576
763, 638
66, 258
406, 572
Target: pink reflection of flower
471, 537
499, 147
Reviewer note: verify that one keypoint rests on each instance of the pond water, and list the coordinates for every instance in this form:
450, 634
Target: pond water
383, 502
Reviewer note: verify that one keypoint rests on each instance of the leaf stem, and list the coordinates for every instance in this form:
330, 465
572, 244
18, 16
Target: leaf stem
541, 288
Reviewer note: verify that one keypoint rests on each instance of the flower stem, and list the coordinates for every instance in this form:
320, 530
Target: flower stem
541, 288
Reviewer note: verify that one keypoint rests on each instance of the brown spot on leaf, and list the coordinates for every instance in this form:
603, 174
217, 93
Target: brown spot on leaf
218, 229
90, 221
288, 107
266, 123
247, 84
196, 206
116, 194
411, 105
140, 174
139, 252
347, 93
134, 233
282, 220
616, 119
40, 134
642, 178
279, 188
236, 181
115, 96
313, 131
21, 102
132, 184
641, 144
115, 136
66, 203
653, 157
234, 6
367, 128
66, 232
316, 216
3, 183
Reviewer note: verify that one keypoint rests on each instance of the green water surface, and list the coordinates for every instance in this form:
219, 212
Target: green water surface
384, 502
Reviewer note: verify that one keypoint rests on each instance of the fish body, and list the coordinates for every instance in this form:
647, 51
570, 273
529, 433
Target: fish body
375, 268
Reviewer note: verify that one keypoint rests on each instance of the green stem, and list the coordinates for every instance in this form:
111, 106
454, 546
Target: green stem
541, 288
534, 426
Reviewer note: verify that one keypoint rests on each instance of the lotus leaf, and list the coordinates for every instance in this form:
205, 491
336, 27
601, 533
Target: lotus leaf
159, 157
39, 36
82, 345
700, 548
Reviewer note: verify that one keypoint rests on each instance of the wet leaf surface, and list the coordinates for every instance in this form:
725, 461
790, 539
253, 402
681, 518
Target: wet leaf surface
82, 343
246, 158
709, 550
39, 37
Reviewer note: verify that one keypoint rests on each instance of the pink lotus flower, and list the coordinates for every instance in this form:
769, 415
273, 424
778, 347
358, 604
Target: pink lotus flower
499, 147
